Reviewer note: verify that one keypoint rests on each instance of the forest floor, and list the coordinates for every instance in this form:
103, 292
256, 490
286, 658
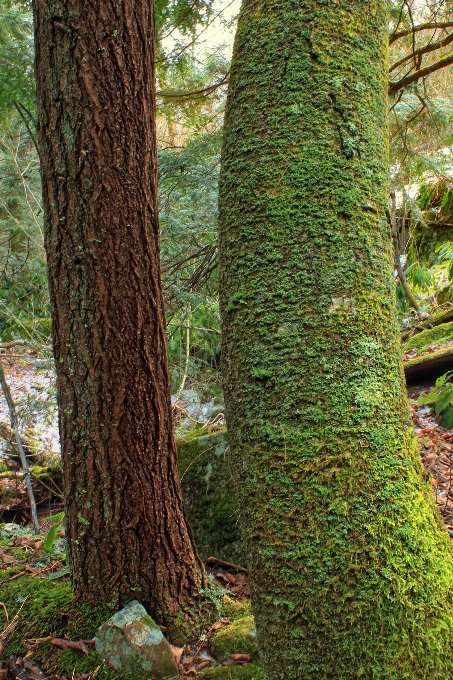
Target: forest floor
435, 444
39, 638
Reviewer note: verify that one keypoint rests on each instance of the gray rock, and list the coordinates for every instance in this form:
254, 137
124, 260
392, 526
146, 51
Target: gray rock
131, 641
214, 411
190, 397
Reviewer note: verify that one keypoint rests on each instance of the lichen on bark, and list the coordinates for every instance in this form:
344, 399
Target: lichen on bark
351, 571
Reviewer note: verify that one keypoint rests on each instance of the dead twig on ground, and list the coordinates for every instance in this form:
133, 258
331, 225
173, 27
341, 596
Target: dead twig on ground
80, 645
23, 457
234, 567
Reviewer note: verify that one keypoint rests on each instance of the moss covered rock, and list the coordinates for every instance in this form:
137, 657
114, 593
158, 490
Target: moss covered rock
235, 609
209, 495
238, 637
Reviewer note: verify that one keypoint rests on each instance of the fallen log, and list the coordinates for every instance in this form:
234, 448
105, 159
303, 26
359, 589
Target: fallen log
436, 320
428, 366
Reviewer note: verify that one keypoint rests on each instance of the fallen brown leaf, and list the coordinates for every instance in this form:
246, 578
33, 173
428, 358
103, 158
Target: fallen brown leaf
33, 670
177, 653
5, 557
219, 624
231, 578
239, 657
26, 542
203, 664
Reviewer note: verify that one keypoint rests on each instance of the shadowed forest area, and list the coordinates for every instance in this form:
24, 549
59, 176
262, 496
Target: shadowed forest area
226, 339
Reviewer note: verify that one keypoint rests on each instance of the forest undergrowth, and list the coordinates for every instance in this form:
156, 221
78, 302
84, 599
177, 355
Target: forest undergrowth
45, 634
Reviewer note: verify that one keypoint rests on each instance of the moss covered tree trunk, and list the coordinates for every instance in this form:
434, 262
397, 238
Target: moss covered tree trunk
126, 526
351, 570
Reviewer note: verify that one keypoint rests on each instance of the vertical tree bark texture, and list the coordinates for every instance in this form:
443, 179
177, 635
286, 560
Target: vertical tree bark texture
126, 526
351, 570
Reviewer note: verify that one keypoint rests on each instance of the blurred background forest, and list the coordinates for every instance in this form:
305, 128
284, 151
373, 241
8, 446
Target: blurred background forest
194, 43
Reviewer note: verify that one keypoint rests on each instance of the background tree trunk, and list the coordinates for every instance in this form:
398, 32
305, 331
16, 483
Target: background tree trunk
351, 571
126, 526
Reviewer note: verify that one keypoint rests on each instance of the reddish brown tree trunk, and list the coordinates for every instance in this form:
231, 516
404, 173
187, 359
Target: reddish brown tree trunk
127, 530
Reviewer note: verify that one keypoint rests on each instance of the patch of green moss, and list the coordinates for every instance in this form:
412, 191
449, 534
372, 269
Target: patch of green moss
71, 662
209, 495
74, 662
149, 621
54, 519
45, 608
48, 471
252, 672
439, 335
425, 358
236, 638
234, 609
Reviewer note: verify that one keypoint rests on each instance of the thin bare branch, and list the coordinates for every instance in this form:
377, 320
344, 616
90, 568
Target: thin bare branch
196, 93
430, 25
430, 47
421, 73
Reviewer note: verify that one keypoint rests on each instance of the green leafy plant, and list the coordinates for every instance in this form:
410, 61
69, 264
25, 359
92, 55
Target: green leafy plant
445, 252
440, 398
50, 538
419, 276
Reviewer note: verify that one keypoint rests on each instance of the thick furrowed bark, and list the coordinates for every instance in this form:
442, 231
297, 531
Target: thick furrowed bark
126, 525
351, 570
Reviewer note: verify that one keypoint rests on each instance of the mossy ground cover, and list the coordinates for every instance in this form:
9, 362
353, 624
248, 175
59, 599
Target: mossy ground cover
252, 672
45, 608
237, 638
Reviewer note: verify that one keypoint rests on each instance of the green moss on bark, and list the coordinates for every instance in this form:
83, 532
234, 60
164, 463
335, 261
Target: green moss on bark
351, 570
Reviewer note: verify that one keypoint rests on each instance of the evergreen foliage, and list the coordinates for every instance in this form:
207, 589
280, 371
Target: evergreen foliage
16, 62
